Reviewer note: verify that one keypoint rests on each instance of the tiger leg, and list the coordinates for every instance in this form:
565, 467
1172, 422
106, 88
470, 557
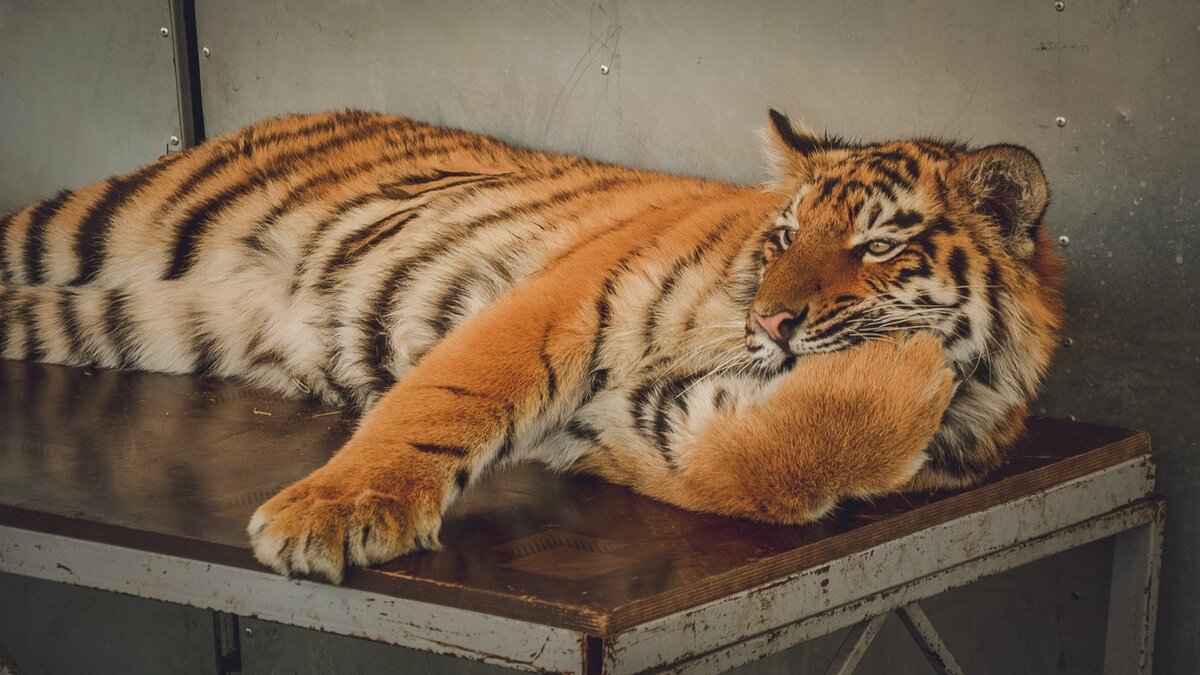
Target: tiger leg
853, 423
459, 412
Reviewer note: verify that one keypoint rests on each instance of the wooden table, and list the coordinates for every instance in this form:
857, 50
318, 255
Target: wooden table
143, 484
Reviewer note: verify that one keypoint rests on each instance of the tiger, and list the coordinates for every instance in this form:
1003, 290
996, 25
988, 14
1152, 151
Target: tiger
874, 319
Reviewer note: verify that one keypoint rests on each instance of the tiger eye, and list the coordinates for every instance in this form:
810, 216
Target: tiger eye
881, 246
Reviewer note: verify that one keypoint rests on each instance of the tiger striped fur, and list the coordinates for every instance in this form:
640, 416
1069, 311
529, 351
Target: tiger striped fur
875, 320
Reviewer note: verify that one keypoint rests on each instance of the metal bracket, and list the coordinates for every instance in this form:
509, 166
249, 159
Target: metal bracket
913, 617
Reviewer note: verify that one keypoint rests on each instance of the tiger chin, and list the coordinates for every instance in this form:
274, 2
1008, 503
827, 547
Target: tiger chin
874, 320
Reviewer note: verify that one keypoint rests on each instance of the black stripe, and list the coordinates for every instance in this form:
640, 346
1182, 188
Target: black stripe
827, 188
207, 351
638, 400
884, 187
922, 270
91, 241
582, 430
316, 236
355, 247
35, 235
373, 327
297, 194
27, 316
120, 328
462, 479
459, 391
226, 150
910, 163
849, 186
5, 222
905, 219
893, 177
439, 449
193, 226
345, 394
506, 444
720, 398
260, 357
599, 381
548, 364
958, 269
671, 396
70, 324
693, 258
341, 209
451, 304
962, 330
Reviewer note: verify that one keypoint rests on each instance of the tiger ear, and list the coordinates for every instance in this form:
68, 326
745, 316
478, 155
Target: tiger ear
789, 148
1006, 183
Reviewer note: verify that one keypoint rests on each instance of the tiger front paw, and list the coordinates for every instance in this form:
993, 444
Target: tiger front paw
889, 397
318, 527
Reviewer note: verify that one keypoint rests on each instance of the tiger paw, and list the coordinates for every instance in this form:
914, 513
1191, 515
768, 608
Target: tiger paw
318, 528
892, 395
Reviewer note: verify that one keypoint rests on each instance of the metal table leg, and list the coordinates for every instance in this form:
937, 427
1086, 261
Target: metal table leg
1133, 599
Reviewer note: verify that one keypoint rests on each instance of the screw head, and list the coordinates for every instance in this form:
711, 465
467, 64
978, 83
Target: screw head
1059, 6
174, 140
1067, 342
604, 69
1064, 240
249, 632
164, 31
206, 52
1060, 121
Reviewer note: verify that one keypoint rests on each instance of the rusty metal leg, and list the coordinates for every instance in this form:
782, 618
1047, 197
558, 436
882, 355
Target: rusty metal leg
227, 643
855, 645
921, 629
1133, 599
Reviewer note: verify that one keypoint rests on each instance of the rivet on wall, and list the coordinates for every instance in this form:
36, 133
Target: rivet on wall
1067, 342
1060, 6
164, 31
249, 632
174, 140
603, 69
206, 52
1064, 241
1060, 121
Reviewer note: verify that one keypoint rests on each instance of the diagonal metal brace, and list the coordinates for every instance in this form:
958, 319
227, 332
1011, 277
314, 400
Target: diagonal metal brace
918, 625
855, 645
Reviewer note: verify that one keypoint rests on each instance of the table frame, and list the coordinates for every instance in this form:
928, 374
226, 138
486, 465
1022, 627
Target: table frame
855, 590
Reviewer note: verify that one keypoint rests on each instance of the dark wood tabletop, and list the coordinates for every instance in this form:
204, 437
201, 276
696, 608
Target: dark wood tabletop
176, 465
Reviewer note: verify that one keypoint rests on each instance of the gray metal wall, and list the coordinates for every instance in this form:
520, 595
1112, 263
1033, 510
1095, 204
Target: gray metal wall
87, 89
687, 85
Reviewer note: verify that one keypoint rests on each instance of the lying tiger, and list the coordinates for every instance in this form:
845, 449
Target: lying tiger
876, 319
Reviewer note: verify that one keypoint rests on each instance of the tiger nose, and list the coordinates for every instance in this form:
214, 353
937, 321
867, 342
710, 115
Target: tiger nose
778, 326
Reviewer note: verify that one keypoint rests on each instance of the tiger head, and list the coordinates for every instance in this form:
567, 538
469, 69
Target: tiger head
915, 235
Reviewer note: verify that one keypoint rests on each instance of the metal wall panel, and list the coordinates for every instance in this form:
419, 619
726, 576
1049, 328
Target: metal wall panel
87, 89
688, 83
